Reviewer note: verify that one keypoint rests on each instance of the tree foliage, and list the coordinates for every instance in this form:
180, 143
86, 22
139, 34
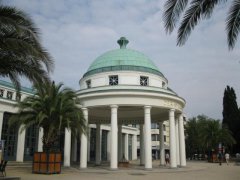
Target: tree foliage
195, 10
231, 115
204, 134
53, 108
21, 53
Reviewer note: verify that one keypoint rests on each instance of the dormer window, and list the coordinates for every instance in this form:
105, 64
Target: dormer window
88, 83
143, 81
113, 80
9, 95
163, 84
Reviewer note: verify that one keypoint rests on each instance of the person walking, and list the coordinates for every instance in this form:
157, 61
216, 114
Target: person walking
167, 158
227, 156
220, 158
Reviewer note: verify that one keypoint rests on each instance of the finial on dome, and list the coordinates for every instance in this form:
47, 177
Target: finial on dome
123, 42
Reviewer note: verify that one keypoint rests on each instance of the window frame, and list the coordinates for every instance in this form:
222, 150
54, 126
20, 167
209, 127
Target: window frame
113, 83
142, 83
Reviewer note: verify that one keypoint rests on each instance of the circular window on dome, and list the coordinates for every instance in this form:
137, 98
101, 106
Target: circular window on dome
113, 80
143, 81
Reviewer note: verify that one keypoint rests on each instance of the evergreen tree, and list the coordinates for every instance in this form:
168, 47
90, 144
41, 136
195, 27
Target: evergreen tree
231, 115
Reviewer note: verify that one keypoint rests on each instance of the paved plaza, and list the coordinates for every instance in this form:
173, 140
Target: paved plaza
194, 171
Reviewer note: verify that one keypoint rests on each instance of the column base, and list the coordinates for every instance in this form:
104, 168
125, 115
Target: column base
113, 169
148, 169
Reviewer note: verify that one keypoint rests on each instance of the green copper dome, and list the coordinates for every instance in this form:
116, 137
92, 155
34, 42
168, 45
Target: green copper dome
122, 59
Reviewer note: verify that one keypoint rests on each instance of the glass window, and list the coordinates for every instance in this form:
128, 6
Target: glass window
165, 138
88, 83
9, 95
143, 81
113, 80
155, 137
154, 126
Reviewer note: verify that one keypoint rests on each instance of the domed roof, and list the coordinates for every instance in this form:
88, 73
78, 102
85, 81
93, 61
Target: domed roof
122, 59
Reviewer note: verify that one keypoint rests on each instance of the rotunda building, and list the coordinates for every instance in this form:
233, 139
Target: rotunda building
123, 86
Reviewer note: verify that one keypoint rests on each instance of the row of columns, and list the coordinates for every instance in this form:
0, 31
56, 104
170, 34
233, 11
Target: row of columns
177, 141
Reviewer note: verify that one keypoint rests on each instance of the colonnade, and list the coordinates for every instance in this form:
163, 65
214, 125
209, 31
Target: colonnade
177, 141
115, 150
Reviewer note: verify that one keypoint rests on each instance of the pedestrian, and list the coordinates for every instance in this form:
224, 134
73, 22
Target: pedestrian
167, 158
227, 156
220, 158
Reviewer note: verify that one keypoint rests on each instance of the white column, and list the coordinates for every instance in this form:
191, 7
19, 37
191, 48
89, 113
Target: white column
98, 144
1, 123
120, 145
83, 153
147, 139
162, 149
88, 148
142, 152
114, 138
177, 141
173, 160
126, 146
20, 144
109, 145
40, 136
74, 150
67, 147
134, 147
182, 142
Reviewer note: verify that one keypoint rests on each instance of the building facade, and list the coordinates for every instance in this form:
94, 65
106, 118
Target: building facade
130, 110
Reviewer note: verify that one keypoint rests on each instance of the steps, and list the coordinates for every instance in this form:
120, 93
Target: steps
19, 164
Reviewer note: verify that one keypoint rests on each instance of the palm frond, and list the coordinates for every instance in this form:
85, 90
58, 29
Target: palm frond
172, 12
199, 9
233, 24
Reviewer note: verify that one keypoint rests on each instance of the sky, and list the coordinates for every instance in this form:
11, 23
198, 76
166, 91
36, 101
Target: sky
76, 32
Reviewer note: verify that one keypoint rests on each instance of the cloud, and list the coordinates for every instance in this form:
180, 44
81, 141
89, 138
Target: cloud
76, 32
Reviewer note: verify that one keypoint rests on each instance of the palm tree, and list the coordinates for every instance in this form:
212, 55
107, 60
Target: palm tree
212, 134
53, 108
194, 12
204, 134
21, 54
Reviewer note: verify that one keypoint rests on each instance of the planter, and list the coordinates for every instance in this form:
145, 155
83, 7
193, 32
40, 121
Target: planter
46, 163
123, 164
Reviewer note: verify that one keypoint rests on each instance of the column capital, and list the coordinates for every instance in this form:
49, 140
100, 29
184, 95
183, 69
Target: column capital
84, 108
147, 107
171, 110
113, 106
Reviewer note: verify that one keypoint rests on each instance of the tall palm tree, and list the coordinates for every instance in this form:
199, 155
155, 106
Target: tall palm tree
21, 53
194, 12
53, 108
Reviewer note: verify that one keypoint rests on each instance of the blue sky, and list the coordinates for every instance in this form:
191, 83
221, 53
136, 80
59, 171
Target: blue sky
75, 32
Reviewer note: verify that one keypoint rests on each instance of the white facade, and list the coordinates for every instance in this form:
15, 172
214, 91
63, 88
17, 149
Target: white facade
122, 87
